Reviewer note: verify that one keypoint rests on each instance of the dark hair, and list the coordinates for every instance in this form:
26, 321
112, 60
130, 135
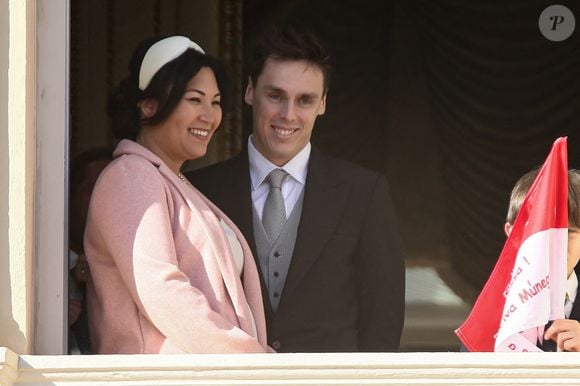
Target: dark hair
574, 198
80, 163
525, 183
166, 87
290, 43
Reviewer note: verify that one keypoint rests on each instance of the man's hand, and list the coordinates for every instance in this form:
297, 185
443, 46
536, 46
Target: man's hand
566, 334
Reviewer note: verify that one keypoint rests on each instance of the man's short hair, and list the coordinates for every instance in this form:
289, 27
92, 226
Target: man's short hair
523, 185
290, 43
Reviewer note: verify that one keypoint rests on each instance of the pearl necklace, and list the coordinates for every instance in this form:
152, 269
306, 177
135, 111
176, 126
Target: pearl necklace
182, 177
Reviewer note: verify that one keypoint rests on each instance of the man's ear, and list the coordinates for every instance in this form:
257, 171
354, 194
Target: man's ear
249, 95
507, 228
148, 107
322, 108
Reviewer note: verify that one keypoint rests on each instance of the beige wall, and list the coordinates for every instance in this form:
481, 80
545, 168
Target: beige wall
17, 91
5, 296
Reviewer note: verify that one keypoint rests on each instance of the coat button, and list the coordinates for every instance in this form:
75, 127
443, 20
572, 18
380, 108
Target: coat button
276, 274
276, 294
276, 254
276, 345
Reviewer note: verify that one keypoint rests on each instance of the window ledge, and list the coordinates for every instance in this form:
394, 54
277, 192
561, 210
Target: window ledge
286, 369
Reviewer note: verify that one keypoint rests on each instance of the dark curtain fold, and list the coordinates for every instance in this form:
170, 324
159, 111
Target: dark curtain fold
500, 94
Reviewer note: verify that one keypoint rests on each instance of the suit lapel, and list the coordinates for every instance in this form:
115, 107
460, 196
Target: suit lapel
575, 314
324, 200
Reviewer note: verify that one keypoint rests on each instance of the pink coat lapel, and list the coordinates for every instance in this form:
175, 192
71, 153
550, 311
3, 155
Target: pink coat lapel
241, 297
217, 239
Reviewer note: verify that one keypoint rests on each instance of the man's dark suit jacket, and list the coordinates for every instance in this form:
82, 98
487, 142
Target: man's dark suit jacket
575, 313
345, 286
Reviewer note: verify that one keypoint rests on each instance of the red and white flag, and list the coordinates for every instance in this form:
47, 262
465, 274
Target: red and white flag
528, 284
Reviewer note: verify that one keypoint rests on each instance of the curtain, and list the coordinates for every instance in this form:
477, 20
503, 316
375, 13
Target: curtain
500, 93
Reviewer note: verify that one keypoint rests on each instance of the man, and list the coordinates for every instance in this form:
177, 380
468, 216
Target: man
323, 231
84, 172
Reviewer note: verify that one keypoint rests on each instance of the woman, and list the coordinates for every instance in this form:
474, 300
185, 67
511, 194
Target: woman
170, 273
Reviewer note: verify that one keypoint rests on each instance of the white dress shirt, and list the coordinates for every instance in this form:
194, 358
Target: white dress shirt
235, 247
292, 185
571, 291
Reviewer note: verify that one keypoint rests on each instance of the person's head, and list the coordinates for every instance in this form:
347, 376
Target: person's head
171, 100
84, 171
518, 194
287, 90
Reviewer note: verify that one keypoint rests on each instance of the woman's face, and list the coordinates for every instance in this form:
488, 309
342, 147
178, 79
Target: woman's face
185, 134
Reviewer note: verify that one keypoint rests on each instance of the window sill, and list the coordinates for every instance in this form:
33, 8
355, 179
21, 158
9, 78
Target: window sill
286, 369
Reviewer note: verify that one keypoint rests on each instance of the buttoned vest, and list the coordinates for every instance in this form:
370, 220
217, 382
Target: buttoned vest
275, 255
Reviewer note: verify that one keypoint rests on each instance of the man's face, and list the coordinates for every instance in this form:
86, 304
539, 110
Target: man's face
286, 100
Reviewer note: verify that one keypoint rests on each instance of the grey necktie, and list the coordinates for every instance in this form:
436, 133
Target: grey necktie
274, 216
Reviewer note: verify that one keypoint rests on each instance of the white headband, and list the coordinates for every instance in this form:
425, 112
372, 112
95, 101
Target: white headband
161, 53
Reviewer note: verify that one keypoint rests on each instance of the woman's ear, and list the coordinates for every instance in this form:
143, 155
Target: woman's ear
148, 107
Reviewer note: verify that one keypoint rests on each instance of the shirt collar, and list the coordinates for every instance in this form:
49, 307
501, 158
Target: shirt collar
260, 166
572, 286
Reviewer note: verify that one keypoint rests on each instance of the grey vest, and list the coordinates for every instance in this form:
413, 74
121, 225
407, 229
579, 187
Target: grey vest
275, 255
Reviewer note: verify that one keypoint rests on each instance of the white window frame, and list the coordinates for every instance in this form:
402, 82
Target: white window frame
51, 197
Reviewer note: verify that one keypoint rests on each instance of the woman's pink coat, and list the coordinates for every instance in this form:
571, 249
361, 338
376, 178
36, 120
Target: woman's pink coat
162, 273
